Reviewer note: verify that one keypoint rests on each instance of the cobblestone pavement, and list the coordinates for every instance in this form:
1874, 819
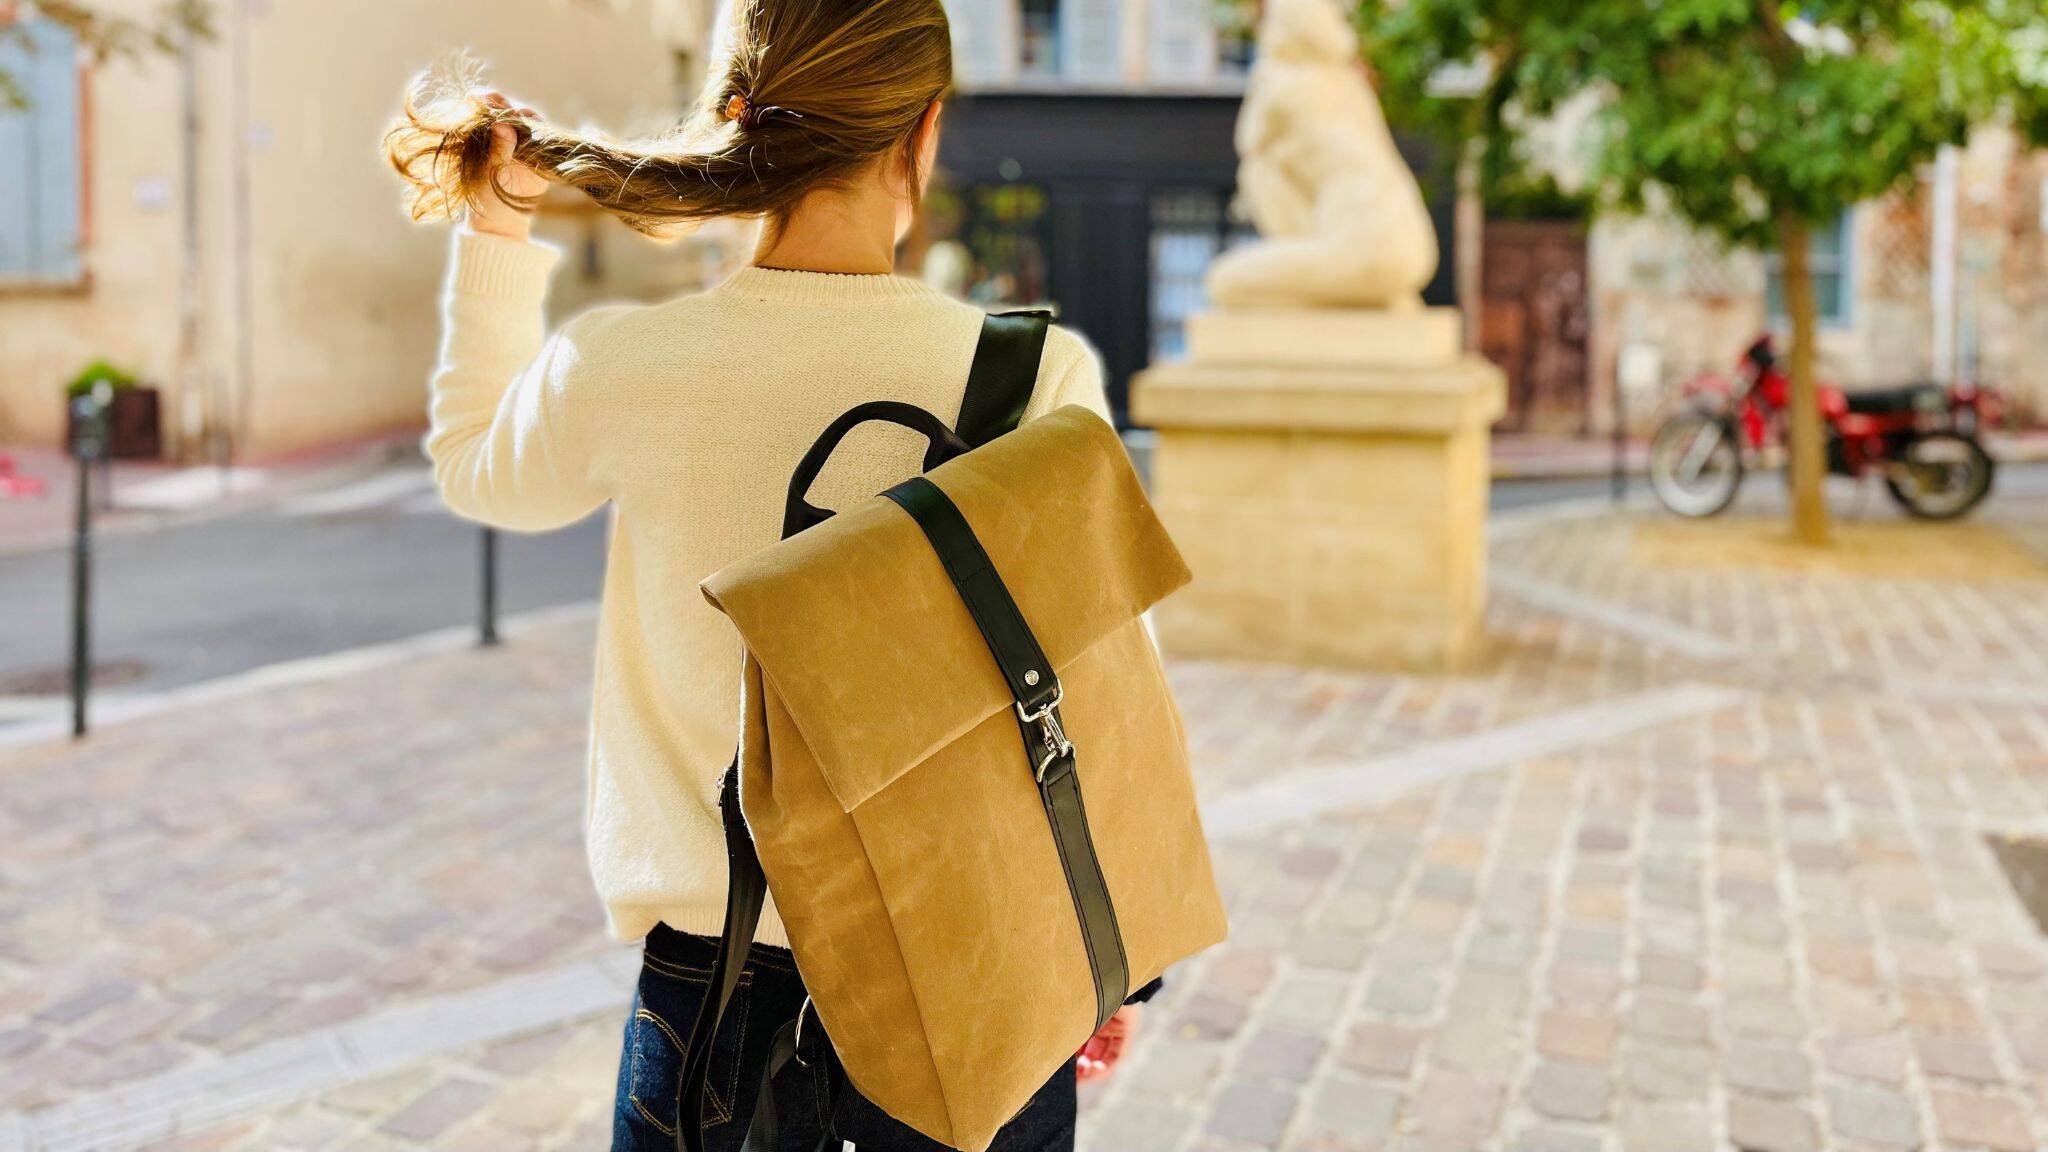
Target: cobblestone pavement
1768, 920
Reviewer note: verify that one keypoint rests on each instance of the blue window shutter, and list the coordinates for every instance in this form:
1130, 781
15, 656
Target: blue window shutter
40, 220
15, 258
58, 239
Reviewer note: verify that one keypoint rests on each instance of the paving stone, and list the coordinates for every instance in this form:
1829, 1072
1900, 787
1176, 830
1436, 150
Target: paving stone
1256, 1113
1763, 1014
1975, 1119
1927, 1010
438, 1109
1658, 1072
1308, 999
238, 1014
1141, 1126
1675, 1021
1541, 1139
1453, 1108
1873, 1116
1665, 1127
1577, 1037
1673, 973
1179, 1069
18, 1040
1590, 942
1355, 911
2012, 960
1401, 994
1479, 1042
1283, 1055
1766, 1069
1499, 951
1585, 986
1756, 1125
1843, 961
1383, 1049
84, 1002
1348, 1114
1569, 1092
1333, 950
1880, 1058
1239, 974
1958, 1058
1207, 1016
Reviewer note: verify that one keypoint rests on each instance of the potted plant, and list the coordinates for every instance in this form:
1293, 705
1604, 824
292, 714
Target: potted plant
134, 411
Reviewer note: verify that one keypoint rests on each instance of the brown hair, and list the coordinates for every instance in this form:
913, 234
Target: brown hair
813, 91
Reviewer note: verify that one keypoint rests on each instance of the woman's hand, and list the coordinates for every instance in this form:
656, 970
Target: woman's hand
1105, 1050
493, 215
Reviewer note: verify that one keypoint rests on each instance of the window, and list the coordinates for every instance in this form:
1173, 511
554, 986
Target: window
1828, 256
41, 179
1189, 228
1038, 49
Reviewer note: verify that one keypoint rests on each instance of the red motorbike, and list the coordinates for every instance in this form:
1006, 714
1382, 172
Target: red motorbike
1921, 438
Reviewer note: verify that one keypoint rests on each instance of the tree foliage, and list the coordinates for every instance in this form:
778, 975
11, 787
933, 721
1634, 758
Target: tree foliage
1735, 112
103, 35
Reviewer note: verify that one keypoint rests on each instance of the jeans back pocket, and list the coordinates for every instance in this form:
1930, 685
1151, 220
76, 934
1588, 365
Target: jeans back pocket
665, 1007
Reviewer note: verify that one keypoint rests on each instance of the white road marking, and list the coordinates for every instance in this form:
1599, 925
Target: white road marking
1653, 630
1305, 795
190, 488
369, 492
273, 1075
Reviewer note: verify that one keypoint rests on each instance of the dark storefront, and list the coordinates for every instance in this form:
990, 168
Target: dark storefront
1110, 204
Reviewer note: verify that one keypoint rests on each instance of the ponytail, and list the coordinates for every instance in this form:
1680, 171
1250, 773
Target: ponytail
813, 91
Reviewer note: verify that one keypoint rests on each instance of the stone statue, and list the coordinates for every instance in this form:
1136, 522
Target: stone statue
1341, 219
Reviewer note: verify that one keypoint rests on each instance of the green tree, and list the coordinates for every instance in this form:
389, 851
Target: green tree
1754, 120
104, 35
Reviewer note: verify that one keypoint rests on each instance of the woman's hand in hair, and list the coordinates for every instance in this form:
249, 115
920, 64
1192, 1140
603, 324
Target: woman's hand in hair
1105, 1050
492, 214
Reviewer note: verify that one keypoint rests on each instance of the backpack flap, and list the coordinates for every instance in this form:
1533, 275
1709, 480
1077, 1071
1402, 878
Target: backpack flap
862, 634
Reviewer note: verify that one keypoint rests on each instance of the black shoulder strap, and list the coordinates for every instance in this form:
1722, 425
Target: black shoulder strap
1004, 374
999, 387
1048, 754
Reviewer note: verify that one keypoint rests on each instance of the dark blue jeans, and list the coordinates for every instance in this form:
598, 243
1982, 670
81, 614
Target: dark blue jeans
811, 1099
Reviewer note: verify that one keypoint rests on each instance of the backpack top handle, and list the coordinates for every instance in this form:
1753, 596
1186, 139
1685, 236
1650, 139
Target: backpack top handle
1000, 382
798, 513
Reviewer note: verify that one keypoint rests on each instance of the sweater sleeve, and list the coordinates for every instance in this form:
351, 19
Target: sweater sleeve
504, 444
1078, 379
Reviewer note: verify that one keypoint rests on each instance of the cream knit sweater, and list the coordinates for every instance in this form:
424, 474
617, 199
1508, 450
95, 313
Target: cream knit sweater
687, 417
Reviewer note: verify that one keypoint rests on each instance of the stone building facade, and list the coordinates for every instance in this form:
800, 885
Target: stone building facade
1698, 304
225, 227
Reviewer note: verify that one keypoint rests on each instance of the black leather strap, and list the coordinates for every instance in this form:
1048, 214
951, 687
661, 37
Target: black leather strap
764, 1131
1016, 650
1048, 754
746, 890
1003, 376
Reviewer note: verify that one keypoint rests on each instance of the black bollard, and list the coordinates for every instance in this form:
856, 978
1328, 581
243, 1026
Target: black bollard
88, 448
487, 616
1620, 478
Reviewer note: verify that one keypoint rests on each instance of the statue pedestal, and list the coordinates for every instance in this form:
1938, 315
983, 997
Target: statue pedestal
1328, 488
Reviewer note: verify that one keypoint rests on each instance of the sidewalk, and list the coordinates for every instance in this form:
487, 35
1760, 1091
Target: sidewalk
1696, 860
152, 493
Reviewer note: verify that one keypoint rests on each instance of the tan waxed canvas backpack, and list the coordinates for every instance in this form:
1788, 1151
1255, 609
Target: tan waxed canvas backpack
961, 770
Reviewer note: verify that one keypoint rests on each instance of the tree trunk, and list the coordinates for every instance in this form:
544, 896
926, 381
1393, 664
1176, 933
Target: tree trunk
1802, 411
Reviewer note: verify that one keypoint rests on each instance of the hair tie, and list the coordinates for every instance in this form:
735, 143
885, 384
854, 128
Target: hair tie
749, 115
